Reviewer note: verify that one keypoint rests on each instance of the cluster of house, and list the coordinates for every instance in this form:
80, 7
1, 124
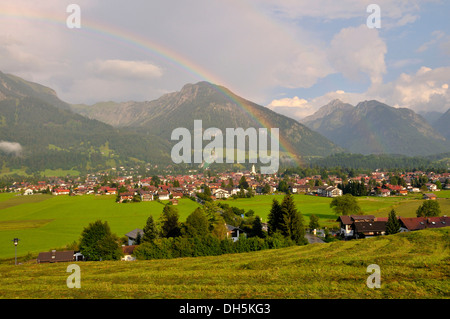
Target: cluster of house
364, 226
225, 185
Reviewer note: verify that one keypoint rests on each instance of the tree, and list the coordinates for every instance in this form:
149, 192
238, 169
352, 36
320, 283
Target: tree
250, 213
429, 208
293, 221
314, 222
393, 224
197, 224
150, 230
98, 243
243, 183
170, 226
207, 190
345, 205
138, 240
283, 186
257, 230
275, 218
438, 184
219, 228
266, 189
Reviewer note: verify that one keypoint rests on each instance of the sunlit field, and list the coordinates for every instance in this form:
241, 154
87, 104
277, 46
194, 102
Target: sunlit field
44, 222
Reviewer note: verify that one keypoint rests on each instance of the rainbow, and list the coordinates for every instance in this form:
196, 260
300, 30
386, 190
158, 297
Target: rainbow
111, 32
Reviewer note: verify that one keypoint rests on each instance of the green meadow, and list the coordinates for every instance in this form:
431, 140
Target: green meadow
414, 265
44, 222
320, 206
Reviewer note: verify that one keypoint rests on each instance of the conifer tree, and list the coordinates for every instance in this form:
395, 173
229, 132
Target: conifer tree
293, 221
275, 218
393, 224
150, 231
170, 226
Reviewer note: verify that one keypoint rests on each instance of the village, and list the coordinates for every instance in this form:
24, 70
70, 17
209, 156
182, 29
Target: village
237, 184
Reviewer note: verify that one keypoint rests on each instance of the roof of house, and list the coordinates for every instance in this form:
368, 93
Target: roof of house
133, 234
372, 226
348, 220
232, 228
55, 256
127, 194
362, 217
417, 223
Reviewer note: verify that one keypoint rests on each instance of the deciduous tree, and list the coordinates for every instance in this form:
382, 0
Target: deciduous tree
429, 208
99, 243
345, 205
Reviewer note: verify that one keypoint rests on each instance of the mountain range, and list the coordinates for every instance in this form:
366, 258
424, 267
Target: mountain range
372, 127
55, 134
217, 107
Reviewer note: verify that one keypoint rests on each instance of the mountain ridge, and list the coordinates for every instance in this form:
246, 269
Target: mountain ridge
372, 127
217, 107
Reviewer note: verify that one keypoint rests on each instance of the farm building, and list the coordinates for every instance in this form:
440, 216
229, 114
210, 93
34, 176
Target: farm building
56, 256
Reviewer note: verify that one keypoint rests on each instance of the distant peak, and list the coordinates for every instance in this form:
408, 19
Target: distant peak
335, 101
370, 103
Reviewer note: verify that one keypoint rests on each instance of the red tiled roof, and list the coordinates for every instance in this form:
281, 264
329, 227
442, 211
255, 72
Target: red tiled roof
417, 223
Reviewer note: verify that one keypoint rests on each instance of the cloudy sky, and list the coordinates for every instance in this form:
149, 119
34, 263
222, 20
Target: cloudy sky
292, 56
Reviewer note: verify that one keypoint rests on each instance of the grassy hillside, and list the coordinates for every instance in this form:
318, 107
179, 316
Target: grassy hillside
413, 265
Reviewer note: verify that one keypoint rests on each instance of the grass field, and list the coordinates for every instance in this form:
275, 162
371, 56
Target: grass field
44, 222
413, 265
320, 206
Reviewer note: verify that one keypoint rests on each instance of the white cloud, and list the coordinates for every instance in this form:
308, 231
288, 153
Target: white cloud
358, 50
425, 90
298, 108
126, 69
293, 107
435, 37
11, 147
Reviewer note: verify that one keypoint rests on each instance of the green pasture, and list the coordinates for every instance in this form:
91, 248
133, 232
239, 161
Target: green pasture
413, 265
42, 222
320, 206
